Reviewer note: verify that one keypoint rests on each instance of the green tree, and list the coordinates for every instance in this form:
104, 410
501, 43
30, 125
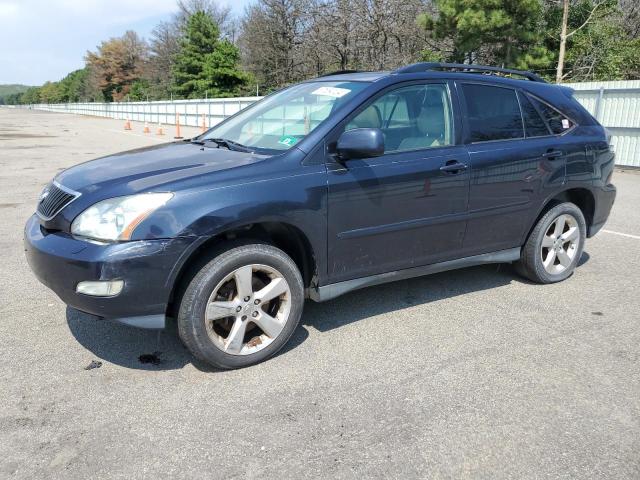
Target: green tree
31, 96
429, 55
11, 99
75, 86
597, 44
51, 92
603, 53
503, 32
206, 64
10, 94
139, 90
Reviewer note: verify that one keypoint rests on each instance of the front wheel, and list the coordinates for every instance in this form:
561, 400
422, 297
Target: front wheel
554, 246
242, 306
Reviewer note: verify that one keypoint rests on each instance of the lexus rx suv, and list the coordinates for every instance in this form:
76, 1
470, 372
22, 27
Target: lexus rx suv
337, 183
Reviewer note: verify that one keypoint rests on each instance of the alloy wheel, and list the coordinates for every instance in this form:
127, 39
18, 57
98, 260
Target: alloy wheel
560, 244
248, 309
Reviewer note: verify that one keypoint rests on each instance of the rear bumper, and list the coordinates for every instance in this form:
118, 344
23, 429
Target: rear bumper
604, 198
148, 269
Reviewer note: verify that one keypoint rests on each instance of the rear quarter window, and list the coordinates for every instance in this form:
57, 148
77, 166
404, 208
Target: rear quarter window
558, 122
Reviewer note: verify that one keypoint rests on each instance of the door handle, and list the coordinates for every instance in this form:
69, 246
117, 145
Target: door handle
453, 166
552, 154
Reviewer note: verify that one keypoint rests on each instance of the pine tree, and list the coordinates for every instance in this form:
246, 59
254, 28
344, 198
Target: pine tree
504, 32
206, 64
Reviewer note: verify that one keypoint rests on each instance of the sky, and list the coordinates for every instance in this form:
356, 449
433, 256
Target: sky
44, 40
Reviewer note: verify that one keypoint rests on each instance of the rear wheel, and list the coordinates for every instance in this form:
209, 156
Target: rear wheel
242, 306
555, 245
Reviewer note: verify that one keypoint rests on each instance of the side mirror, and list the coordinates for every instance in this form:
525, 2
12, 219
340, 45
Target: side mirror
360, 143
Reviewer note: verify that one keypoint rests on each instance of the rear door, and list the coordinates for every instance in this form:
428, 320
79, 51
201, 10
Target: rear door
513, 157
405, 208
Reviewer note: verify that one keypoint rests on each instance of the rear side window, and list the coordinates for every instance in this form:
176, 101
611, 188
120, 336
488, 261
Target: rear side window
558, 123
534, 125
493, 113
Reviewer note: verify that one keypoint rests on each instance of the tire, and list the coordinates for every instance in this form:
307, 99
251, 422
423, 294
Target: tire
547, 259
245, 326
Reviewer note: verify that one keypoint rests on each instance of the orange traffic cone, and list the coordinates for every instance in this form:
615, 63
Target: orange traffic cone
204, 124
159, 131
178, 136
146, 128
127, 125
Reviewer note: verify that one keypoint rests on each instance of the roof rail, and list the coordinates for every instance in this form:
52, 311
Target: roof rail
462, 67
339, 72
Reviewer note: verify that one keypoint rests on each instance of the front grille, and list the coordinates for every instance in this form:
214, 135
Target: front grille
54, 199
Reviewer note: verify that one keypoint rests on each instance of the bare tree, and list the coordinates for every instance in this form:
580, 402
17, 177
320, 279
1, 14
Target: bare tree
332, 36
631, 17
163, 46
287, 40
390, 34
564, 36
219, 13
272, 38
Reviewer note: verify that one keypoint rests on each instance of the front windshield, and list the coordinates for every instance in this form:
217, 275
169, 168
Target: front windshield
283, 119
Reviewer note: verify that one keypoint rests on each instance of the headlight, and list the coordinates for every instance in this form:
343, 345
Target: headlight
117, 218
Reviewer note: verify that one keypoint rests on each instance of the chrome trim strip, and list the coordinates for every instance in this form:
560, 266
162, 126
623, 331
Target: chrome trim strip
328, 292
75, 194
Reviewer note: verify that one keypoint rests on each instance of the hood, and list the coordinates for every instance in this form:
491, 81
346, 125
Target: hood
152, 167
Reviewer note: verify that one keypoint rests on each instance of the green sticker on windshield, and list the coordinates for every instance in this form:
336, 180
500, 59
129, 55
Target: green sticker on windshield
288, 140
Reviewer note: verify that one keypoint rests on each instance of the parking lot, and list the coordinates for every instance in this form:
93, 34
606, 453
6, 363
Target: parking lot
474, 373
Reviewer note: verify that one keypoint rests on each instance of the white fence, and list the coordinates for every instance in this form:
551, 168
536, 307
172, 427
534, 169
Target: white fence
191, 112
615, 104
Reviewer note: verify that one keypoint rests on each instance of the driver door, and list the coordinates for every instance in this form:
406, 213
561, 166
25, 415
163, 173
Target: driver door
407, 207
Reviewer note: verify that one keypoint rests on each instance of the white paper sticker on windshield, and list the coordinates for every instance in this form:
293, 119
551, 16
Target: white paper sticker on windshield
565, 123
331, 92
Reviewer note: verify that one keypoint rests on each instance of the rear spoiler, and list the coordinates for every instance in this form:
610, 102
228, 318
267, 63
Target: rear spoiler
567, 91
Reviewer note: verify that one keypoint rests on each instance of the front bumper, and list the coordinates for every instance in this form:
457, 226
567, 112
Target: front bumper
147, 267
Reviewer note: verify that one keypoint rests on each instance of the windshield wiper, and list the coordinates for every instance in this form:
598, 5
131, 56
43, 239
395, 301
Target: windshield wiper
221, 142
229, 144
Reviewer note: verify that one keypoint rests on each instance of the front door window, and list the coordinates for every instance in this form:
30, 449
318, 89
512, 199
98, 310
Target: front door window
411, 118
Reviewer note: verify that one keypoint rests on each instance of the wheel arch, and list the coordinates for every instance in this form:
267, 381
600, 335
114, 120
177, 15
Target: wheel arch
285, 236
582, 197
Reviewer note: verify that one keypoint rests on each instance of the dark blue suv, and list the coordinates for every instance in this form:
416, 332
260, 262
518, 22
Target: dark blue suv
337, 183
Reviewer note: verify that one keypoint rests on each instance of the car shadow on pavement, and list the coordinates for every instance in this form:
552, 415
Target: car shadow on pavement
402, 294
394, 296
128, 346
142, 349
162, 349
583, 259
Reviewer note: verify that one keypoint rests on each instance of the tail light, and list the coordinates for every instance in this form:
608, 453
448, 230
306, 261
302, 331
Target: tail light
610, 177
612, 147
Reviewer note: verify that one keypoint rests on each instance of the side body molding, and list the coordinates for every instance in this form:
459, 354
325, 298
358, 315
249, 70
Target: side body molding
328, 292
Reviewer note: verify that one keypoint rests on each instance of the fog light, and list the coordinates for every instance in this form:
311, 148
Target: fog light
101, 288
